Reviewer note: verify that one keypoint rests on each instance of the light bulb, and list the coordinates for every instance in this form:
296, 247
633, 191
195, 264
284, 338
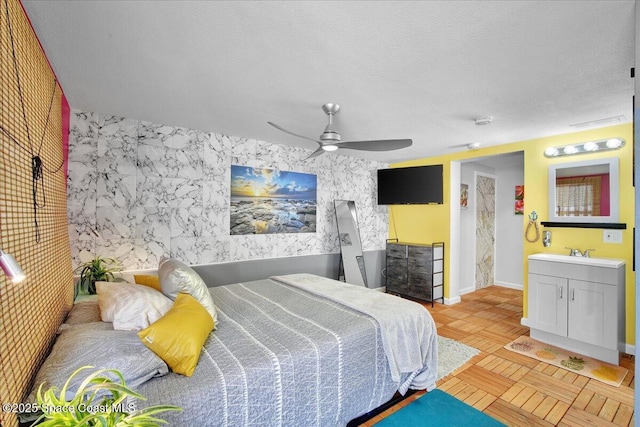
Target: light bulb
551, 151
613, 143
590, 146
570, 149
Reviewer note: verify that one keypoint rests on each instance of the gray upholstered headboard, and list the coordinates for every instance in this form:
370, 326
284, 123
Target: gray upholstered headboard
326, 265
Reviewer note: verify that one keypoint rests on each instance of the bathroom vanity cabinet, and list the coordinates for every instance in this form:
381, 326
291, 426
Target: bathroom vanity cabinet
578, 304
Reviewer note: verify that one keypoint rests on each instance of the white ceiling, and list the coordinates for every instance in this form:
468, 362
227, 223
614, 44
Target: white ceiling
419, 69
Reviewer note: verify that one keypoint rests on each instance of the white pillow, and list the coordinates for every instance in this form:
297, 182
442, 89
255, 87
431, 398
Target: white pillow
177, 277
130, 307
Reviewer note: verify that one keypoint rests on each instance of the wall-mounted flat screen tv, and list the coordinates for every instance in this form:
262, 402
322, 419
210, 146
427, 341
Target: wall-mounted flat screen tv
412, 185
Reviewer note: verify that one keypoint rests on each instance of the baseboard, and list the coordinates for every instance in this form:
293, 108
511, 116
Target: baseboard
630, 349
467, 290
524, 322
510, 285
502, 284
451, 301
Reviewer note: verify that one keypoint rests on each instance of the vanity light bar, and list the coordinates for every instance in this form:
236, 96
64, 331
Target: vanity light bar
585, 147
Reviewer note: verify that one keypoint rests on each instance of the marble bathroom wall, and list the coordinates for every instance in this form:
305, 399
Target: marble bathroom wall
485, 194
139, 190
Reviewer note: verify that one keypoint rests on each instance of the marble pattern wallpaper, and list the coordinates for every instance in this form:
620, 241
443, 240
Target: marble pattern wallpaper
139, 190
485, 231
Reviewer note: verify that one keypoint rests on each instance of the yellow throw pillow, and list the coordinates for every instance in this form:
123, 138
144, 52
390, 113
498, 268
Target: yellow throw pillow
178, 337
148, 280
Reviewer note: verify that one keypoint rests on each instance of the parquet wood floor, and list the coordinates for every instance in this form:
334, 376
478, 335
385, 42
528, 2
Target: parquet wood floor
515, 389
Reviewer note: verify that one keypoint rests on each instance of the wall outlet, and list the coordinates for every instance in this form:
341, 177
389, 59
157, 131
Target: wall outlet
612, 236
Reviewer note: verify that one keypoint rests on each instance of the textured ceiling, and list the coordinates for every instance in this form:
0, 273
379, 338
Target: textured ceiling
421, 70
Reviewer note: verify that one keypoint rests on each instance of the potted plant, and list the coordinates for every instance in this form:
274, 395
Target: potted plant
99, 401
97, 270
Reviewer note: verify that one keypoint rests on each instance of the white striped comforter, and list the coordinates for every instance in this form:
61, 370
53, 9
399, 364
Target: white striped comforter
284, 356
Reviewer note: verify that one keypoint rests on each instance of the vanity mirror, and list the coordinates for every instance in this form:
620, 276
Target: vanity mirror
584, 193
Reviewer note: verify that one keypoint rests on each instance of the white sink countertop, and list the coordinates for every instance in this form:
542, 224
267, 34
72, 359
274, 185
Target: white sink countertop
596, 262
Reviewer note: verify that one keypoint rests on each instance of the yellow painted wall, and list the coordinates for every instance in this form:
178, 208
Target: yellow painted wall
431, 223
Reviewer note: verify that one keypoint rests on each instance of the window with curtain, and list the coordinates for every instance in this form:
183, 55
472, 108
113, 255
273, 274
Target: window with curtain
578, 196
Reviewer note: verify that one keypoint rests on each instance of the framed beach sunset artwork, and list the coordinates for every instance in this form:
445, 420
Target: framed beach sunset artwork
269, 201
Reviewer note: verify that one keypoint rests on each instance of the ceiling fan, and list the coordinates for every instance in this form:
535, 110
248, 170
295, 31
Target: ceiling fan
330, 139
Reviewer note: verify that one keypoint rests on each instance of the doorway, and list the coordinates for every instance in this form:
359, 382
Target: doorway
507, 267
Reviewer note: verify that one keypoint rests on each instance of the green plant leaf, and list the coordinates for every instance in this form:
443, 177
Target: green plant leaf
98, 269
111, 386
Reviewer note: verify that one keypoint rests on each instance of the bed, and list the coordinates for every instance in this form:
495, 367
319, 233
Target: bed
299, 350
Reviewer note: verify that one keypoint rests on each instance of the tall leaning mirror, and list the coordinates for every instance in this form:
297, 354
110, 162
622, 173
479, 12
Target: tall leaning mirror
350, 243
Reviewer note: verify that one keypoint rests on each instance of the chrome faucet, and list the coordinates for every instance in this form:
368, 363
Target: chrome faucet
576, 252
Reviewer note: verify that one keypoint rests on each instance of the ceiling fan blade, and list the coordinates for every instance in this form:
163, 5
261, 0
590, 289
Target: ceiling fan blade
316, 153
379, 145
294, 134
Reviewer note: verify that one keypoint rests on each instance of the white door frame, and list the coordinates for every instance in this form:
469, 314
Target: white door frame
454, 235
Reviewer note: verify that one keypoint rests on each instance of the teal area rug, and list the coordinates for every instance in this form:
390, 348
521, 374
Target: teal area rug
438, 408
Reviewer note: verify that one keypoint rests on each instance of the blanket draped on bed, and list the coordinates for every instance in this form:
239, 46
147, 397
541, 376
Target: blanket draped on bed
405, 325
283, 355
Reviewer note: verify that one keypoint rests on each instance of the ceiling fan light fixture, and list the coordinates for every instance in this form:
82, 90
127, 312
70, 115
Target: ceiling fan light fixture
329, 147
330, 135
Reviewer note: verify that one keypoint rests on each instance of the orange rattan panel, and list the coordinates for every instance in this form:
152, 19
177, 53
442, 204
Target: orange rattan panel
31, 311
